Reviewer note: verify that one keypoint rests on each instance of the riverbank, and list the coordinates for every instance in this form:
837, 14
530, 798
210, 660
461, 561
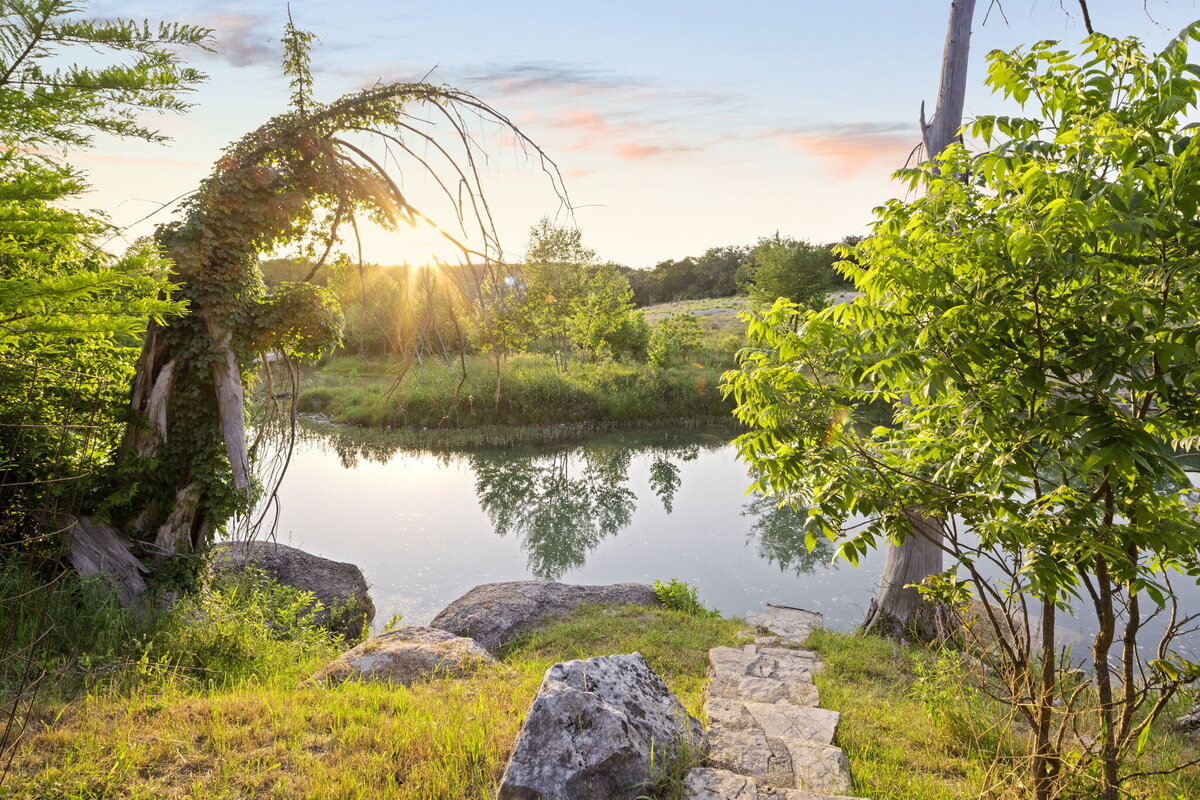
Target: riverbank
233, 723
533, 393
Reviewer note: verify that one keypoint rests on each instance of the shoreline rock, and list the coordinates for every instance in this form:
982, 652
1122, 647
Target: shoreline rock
494, 614
339, 586
406, 655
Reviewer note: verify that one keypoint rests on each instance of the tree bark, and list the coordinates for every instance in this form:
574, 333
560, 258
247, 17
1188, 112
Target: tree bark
895, 609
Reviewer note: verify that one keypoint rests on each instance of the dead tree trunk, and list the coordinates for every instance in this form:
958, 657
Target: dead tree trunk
896, 609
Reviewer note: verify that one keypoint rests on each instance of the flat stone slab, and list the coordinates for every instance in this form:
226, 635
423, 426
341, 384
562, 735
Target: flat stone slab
749, 752
786, 721
781, 720
819, 768
704, 783
793, 625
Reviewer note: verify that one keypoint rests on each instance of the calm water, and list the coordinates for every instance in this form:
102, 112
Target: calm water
628, 506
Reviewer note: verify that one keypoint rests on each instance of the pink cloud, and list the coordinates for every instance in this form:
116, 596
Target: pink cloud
637, 152
849, 149
594, 133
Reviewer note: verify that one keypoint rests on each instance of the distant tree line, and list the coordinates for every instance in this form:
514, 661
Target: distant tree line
774, 267
561, 299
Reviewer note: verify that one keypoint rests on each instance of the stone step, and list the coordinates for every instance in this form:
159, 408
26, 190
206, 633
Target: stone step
763, 674
704, 783
781, 762
765, 662
780, 720
792, 625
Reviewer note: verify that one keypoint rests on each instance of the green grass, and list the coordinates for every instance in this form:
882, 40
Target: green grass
278, 737
909, 738
533, 392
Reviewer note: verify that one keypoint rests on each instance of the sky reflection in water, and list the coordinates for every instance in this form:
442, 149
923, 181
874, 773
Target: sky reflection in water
627, 506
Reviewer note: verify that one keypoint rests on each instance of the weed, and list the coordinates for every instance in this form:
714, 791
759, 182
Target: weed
683, 597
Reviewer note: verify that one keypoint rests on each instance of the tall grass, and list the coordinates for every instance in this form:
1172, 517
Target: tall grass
532, 392
280, 736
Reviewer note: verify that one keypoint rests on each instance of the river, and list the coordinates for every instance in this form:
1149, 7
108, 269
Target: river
626, 506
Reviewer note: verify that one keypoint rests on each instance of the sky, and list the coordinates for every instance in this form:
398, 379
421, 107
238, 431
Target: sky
676, 125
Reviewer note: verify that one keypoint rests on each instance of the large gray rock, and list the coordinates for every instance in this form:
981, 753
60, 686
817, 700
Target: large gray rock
407, 655
339, 587
494, 614
589, 733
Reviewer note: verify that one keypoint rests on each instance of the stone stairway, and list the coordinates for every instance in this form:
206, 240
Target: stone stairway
768, 739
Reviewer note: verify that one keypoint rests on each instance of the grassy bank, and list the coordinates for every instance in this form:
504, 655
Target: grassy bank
913, 729
176, 733
211, 701
533, 392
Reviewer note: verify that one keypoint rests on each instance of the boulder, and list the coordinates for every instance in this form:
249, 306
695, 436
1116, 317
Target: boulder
406, 655
339, 587
496, 613
1189, 722
590, 730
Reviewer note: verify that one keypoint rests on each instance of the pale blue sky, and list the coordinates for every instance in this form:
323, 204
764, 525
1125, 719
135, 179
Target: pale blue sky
678, 125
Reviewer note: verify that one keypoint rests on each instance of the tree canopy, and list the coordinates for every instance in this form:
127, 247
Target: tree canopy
71, 312
1032, 329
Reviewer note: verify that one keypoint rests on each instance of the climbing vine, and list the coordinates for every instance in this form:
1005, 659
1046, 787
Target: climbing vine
298, 179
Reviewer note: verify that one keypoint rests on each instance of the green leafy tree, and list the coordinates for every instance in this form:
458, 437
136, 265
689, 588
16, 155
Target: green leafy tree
792, 268
675, 338
68, 307
1033, 330
573, 302
603, 322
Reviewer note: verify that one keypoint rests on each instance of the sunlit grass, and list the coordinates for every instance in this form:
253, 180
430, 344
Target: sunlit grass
899, 751
532, 392
284, 738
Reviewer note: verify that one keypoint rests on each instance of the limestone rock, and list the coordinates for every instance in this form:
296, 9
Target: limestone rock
764, 675
590, 730
704, 783
494, 614
340, 587
407, 655
792, 625
819, 767
718, 784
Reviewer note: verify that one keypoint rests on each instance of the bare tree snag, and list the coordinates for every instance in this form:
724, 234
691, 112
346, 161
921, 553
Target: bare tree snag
942, 129
98, 548
896, 609
227, 379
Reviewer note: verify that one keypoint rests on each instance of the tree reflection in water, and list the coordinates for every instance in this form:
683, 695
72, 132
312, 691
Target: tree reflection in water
561, 505
780, 534
561, 502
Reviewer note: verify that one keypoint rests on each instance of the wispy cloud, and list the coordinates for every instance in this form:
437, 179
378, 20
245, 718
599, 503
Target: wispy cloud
550, 76
849, 148
593, 131
593, 110
244, 38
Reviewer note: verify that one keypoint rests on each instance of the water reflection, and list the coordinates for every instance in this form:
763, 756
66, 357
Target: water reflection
561, 505
780, 535
561, 502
